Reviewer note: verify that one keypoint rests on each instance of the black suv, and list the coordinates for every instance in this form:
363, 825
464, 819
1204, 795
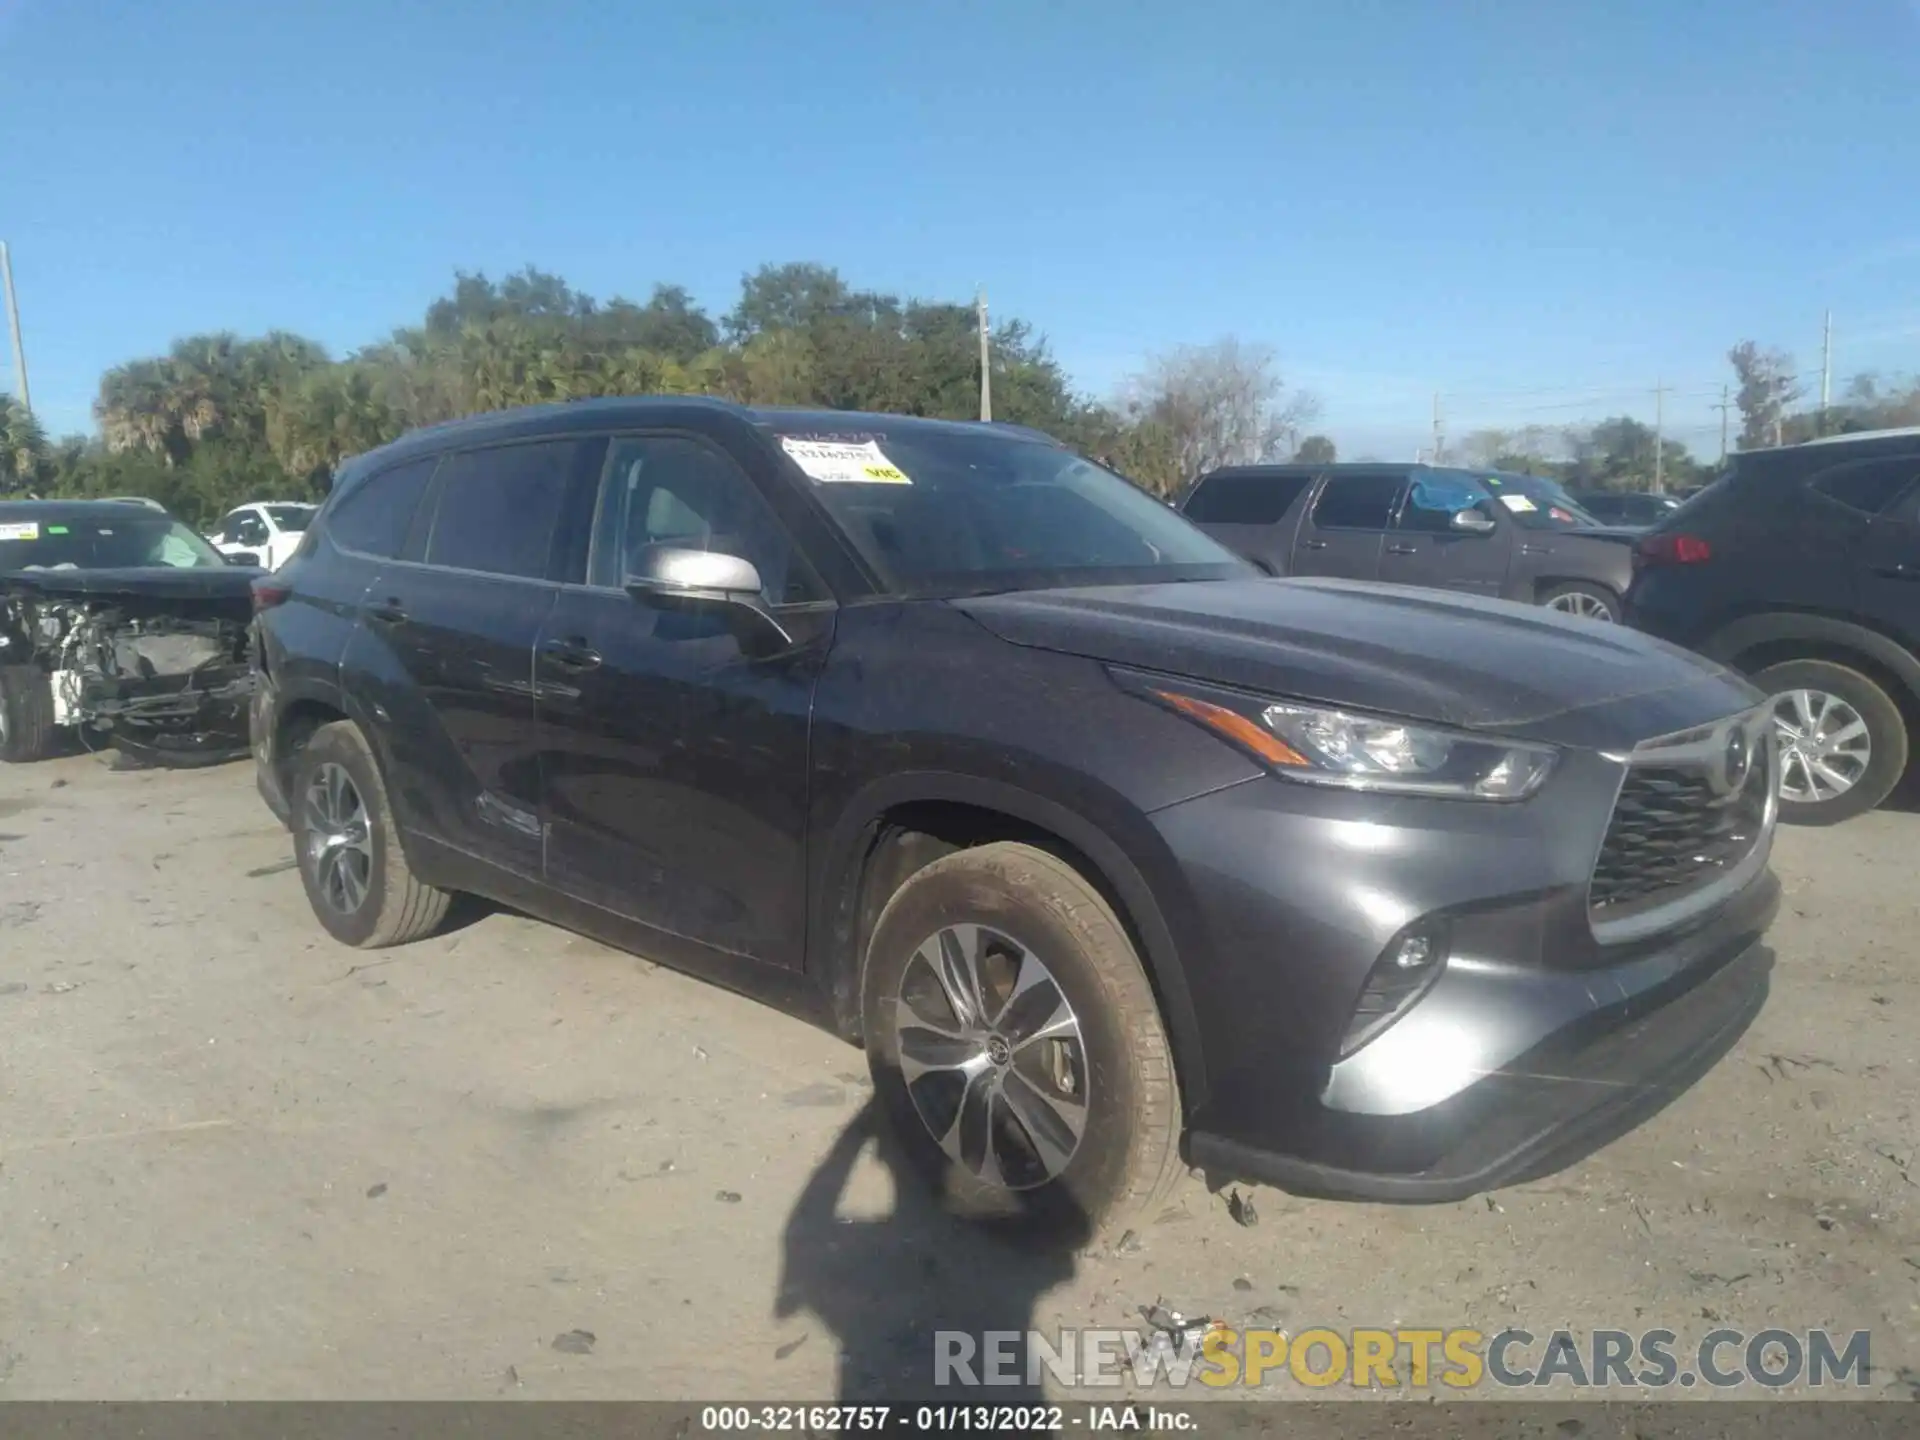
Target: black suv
1479, 531
1096, 838
1801, 567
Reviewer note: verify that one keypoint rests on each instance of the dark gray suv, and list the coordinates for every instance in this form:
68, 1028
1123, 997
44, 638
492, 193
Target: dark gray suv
1483, 532
1105, 846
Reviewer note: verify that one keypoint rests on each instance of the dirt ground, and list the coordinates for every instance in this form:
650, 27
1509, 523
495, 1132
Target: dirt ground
239, 1161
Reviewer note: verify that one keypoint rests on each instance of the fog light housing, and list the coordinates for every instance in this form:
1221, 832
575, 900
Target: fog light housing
1411, 962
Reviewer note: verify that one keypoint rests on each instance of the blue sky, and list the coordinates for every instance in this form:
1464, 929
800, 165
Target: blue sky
1539, 209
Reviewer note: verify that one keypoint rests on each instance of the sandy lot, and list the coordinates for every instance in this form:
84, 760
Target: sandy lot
239, 1161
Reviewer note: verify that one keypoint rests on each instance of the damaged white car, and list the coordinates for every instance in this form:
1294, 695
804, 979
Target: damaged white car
119, 626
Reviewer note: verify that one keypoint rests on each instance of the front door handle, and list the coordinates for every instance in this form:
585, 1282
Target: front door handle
388, 612
572, 653
1313, 544
1403, 549
1898, 572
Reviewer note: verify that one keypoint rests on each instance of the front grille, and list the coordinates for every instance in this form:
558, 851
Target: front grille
1675, 832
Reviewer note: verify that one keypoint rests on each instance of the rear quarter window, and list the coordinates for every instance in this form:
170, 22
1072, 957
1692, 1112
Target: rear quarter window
1244, 499
374, 517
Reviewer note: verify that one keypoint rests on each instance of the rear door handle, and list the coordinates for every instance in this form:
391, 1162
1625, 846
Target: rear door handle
572, 653
387, 612
1313, 544
1897, 572
1403, 549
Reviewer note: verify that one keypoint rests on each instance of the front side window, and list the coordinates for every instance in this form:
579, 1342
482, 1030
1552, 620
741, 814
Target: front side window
953, 510
374, 517
1436, 496
673, 490
498, 508
1358, 502
249, 529
291, 518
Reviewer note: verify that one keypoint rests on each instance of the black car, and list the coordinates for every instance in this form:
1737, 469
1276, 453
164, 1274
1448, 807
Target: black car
121, 625
1481, 532
1100, 841
1627, 507
1801, 567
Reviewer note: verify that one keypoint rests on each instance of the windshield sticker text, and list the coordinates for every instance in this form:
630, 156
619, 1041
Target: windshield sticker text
1519, 504
837, 464
20, 530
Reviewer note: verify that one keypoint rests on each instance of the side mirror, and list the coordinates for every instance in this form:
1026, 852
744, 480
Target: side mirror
246, 557
1473, 522
704, 579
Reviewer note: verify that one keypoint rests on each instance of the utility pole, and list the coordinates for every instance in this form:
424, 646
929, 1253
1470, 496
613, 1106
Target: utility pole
1659, 435
1779, 406
1439, 434
986, 360
1723, 407
13, 324
1826, 368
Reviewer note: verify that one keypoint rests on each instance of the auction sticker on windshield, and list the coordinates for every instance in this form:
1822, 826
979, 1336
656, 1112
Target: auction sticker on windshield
1519, 504
830, 463
20, 530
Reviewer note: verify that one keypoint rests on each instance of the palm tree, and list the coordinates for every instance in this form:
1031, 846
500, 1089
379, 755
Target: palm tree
23, 445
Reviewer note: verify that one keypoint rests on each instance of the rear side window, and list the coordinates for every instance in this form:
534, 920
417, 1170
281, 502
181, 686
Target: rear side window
497, 508
1868, 486
374, 519
1244, 499
1358, 502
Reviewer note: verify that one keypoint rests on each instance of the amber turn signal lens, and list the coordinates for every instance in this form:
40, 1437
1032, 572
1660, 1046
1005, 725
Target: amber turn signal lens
1236, 727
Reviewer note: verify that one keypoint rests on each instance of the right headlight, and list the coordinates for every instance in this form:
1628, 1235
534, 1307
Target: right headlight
1321, 745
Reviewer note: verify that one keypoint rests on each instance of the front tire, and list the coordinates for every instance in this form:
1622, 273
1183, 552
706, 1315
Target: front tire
27, 731
1588, 602
1843, 741
1016, 1047
351, 862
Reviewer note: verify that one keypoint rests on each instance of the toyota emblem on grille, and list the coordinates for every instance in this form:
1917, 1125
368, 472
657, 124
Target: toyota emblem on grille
1737, 763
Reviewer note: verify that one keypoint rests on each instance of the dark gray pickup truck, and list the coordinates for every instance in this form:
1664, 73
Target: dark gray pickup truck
1515, 537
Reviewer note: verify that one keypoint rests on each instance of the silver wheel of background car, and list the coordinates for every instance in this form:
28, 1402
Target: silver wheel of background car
1825, 746
1579, 602
339, 841
992, 1056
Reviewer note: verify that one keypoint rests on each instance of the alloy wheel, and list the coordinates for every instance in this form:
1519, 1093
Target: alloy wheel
1825, 746
339, 842
1578, 602
993, 1056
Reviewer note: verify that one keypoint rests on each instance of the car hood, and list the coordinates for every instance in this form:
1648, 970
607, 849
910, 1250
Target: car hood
223, 591
1421, 654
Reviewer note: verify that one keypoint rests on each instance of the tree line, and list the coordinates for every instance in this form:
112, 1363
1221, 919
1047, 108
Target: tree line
220, 419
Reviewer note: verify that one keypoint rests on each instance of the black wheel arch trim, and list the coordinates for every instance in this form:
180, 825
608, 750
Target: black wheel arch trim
831, 926
1745, 634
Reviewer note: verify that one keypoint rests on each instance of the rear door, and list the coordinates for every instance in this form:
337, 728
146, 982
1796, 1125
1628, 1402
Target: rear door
1889, 580
1342, 534
456, 622
1253, 512
1424, 548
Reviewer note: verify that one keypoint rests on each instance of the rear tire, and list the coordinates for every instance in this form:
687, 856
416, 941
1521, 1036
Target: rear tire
1588, 602
1886, 736
1080, 1040
344, 840
27, 731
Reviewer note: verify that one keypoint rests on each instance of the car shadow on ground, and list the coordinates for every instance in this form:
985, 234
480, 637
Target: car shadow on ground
882, 1287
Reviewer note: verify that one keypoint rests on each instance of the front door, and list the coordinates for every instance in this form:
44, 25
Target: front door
1343, 533
1425, 546
459, 624
675, 741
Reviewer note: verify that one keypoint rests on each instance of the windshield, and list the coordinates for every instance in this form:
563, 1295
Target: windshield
291, 517
1537, 503
119, 542
959, 512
